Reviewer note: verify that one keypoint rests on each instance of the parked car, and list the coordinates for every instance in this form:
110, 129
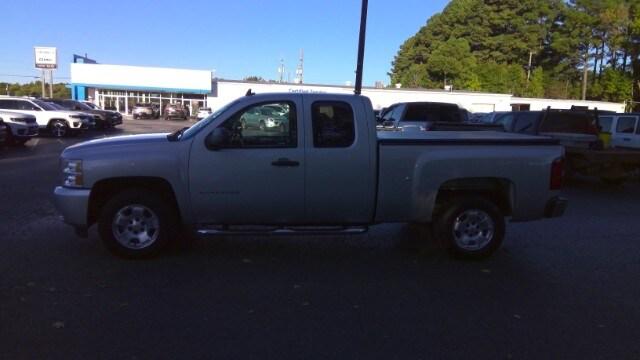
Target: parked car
58, 122
175, 111
428, 116
331, 173
20, 128
623, 129
203, 113
3, 133
104, 119
266, 118
145, 111
92, 119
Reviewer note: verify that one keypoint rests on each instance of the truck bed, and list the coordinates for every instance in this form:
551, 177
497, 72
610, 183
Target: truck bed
461, 137
414, 165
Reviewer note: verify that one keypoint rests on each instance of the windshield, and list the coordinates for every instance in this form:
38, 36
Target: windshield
82, 106
46, 105
204, 122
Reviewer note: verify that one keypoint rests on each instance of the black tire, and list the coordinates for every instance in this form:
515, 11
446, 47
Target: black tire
167, 230
59, 128
465, 211
135, 116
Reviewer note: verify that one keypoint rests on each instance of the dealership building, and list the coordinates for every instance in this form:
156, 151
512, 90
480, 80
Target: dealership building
120, 87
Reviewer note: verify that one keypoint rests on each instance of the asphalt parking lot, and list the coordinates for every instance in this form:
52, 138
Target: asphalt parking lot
566, 288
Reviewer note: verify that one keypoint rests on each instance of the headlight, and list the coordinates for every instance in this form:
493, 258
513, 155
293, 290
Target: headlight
72, 170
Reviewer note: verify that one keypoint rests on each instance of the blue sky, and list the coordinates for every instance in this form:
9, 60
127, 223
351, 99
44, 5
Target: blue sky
236, 38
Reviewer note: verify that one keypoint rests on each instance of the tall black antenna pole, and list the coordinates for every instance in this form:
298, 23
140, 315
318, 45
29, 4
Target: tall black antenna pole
363, 30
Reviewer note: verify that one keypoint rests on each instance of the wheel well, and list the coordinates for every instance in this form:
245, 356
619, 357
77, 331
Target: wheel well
497, 190
52, 120
104, 190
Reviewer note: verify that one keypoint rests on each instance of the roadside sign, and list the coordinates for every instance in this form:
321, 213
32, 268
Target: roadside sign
46, 57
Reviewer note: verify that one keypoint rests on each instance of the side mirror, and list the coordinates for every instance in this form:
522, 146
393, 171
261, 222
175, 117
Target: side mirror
218, 139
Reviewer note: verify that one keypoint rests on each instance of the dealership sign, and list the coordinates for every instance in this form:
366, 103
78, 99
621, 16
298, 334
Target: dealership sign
46, 57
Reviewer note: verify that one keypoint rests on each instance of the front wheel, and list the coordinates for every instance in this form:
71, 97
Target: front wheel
472, 228
58, 128
137, 224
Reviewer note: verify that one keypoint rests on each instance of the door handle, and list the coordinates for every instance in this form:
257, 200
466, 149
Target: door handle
284, 162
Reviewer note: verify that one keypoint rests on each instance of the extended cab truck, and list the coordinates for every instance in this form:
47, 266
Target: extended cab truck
329, 172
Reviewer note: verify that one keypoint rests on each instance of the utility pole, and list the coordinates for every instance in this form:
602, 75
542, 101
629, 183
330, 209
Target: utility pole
281, 70
529, 67
585, 75
300, 70
361, 41
42, 83
51, 84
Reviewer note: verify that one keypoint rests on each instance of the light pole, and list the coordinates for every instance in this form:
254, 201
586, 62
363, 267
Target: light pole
361, 41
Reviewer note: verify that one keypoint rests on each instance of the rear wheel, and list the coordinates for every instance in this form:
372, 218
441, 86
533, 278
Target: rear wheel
135, 116
59, 128
137, 224
472, 228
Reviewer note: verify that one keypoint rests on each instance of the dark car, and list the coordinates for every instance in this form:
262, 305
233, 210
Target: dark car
104, 119
175, 111
3, 133
429, 116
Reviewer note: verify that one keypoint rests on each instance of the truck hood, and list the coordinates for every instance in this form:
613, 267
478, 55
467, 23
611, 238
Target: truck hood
119, 141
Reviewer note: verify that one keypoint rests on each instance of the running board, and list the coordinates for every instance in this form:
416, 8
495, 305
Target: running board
283, 230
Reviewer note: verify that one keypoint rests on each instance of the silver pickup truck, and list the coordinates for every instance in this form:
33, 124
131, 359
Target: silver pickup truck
326, 171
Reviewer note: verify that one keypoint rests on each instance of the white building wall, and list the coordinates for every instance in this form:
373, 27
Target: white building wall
131, 77
228, 91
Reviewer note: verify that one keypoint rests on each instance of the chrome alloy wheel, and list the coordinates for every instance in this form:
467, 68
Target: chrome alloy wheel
473, 230
59, 129
135, 226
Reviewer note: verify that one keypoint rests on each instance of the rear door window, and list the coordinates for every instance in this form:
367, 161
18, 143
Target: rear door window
432, 113
567, 122
333, 124
8, 104
626, 125
605, 123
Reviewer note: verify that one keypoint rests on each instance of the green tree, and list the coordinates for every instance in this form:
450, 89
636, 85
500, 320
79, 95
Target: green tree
451, 61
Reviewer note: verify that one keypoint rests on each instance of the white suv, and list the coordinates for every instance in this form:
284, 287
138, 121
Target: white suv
59, 122
20, 127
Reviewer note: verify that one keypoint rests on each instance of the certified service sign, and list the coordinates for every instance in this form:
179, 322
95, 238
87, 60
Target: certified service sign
46, 57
